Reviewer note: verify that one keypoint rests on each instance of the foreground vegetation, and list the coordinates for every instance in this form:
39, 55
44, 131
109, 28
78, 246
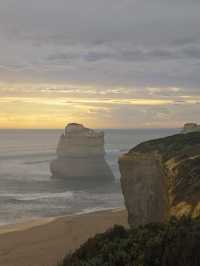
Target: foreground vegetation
176, 243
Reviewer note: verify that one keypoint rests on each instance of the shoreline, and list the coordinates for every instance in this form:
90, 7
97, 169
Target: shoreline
31, 223
46, 241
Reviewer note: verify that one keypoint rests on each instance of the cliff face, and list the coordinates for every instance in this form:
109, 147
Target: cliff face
80, 153
161, 178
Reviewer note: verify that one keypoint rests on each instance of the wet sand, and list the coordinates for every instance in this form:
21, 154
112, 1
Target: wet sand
44, 242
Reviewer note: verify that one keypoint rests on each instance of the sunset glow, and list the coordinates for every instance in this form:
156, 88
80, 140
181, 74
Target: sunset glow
94, 68
43, 106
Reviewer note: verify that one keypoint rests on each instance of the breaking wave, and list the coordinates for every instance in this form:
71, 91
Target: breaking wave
37, 196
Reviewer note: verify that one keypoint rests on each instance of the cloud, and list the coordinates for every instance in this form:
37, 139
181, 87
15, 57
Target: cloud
116, 50
192, 52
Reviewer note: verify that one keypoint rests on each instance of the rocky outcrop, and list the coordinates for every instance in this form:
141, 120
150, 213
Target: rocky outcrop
190, 127
80, 153
161, 178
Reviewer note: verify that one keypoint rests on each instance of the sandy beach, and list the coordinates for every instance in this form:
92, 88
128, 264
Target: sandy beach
44, 242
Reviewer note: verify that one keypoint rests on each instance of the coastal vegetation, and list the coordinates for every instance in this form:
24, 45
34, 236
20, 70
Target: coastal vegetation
174, 243
169, 146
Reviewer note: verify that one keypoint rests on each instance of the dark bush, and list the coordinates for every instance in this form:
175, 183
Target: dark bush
176, 243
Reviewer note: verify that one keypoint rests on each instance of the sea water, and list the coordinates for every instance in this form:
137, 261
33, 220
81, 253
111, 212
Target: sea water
27, 190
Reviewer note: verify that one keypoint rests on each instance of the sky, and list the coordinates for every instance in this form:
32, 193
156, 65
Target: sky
106, 64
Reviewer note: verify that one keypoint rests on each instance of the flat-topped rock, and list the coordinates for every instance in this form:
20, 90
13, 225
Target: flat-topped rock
79, 141
190, 127
80, 153
75, 130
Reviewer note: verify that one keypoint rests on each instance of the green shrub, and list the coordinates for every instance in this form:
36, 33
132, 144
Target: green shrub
176, 243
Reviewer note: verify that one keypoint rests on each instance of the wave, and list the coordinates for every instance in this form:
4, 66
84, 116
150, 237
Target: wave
108, 151
37, 162
97, 209
26, 155
36, 196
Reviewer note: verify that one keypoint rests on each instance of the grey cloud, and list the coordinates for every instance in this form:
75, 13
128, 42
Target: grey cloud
62, 57
127, 55
95, 56
192, 51
92, 20
182, 41
112, 43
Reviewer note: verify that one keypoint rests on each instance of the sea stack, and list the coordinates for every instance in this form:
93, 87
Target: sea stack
80, 154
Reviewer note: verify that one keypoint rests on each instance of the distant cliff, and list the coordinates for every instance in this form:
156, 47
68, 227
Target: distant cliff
190, 127
161, 178
80, 153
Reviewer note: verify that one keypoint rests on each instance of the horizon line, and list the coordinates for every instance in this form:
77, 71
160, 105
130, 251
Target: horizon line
117, 128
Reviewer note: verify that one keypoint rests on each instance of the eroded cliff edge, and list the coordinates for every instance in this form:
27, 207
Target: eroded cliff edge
161, 178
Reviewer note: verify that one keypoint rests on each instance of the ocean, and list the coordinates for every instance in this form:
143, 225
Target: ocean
27, 190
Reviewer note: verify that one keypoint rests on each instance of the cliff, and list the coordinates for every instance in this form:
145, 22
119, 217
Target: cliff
161, 178
80, 153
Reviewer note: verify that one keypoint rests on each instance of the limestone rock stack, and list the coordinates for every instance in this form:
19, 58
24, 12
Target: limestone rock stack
80, 154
